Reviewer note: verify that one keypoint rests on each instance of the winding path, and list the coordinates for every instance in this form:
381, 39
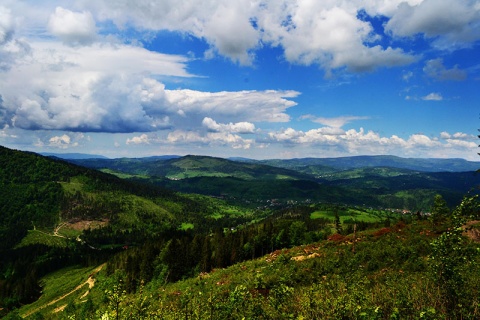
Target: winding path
90, 281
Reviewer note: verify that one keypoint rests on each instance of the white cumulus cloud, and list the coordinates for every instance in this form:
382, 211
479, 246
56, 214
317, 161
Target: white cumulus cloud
336, 122
434, 96
97, 88
60, 141
104, 88
252, 105
239, 127
73, 28
317, 141
452, 20
142, 139
331, 34
326, 33
210, 139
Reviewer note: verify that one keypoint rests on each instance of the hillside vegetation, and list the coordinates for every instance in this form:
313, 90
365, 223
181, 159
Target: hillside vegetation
84, 244
408, 270
56, 214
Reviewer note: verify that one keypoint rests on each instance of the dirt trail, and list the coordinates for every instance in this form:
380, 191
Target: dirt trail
57, 228
90, 281
61, 308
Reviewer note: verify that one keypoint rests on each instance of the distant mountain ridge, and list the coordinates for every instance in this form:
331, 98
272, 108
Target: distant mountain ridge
299, 164
68, 156
354, 162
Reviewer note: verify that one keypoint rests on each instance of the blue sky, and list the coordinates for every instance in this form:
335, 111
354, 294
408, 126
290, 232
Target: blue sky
257, 79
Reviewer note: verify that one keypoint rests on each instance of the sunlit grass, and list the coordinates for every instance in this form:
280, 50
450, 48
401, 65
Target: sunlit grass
57, 285
75, 184
122, 175
350, 214
43, 237
186, 226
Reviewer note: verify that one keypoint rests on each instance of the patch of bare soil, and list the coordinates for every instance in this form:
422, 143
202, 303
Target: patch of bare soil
81, 225
472, 230
302, 258
309, 252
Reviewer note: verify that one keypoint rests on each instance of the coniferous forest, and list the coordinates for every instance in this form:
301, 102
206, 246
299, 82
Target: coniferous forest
208, 238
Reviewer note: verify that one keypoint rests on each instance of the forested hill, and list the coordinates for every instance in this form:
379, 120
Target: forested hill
30, 192
40, 192
193, 166
53, 213
239, 182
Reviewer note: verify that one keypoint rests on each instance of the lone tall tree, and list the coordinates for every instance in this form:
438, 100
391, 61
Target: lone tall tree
440, 210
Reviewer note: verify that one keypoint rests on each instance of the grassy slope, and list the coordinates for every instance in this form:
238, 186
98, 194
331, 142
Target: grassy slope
69, 285
353, 214
46, 238
386, 277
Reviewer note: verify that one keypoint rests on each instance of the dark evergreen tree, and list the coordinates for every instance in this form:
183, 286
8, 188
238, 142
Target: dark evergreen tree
440, 210
337, 222
206, 261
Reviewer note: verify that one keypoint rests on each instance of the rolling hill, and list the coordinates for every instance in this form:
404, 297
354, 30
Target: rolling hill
55, 214
193, 166
403, 183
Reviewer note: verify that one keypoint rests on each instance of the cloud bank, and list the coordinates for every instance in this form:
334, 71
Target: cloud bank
73, 68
